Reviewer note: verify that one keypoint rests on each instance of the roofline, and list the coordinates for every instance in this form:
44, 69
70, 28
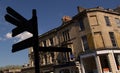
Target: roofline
54, 30
48, 32
79, 15
103, 10
85, 11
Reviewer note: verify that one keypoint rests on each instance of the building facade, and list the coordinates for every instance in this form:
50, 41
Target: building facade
93, 35
11, 71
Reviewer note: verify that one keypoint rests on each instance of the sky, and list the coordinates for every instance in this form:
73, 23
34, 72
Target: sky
49, 13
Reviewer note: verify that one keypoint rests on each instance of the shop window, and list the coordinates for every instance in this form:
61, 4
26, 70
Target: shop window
117, 60
44, 42
105, 63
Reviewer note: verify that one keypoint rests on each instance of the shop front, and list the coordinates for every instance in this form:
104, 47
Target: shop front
102, 61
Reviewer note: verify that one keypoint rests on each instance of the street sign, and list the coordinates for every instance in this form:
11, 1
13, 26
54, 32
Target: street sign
55, 49
27, 27
19, 21
22, 25
13, 13
22, 45
12, 20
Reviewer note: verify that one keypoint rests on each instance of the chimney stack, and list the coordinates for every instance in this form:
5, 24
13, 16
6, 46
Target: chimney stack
66, 19
80, 9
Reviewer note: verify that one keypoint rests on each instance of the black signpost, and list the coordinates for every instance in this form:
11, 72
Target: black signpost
31, 26
25, 25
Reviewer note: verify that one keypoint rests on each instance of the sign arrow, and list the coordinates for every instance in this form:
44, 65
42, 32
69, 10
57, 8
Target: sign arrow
16, 15
12, 20
55, 49
22, 45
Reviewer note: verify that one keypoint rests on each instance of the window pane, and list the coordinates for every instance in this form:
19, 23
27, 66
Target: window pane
107, 20
105, 62
98, 40
66, 35
93, 20
81, 25
85, 43
51, 41
117, 60
44, 43
117, 21
112, 37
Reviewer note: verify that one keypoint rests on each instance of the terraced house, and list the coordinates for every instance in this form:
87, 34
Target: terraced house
93, 35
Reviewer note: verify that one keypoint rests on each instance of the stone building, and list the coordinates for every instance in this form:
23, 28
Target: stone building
11, 71
93, 35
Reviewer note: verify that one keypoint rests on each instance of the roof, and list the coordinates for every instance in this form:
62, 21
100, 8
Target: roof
81, 13
99, 9
54, 30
